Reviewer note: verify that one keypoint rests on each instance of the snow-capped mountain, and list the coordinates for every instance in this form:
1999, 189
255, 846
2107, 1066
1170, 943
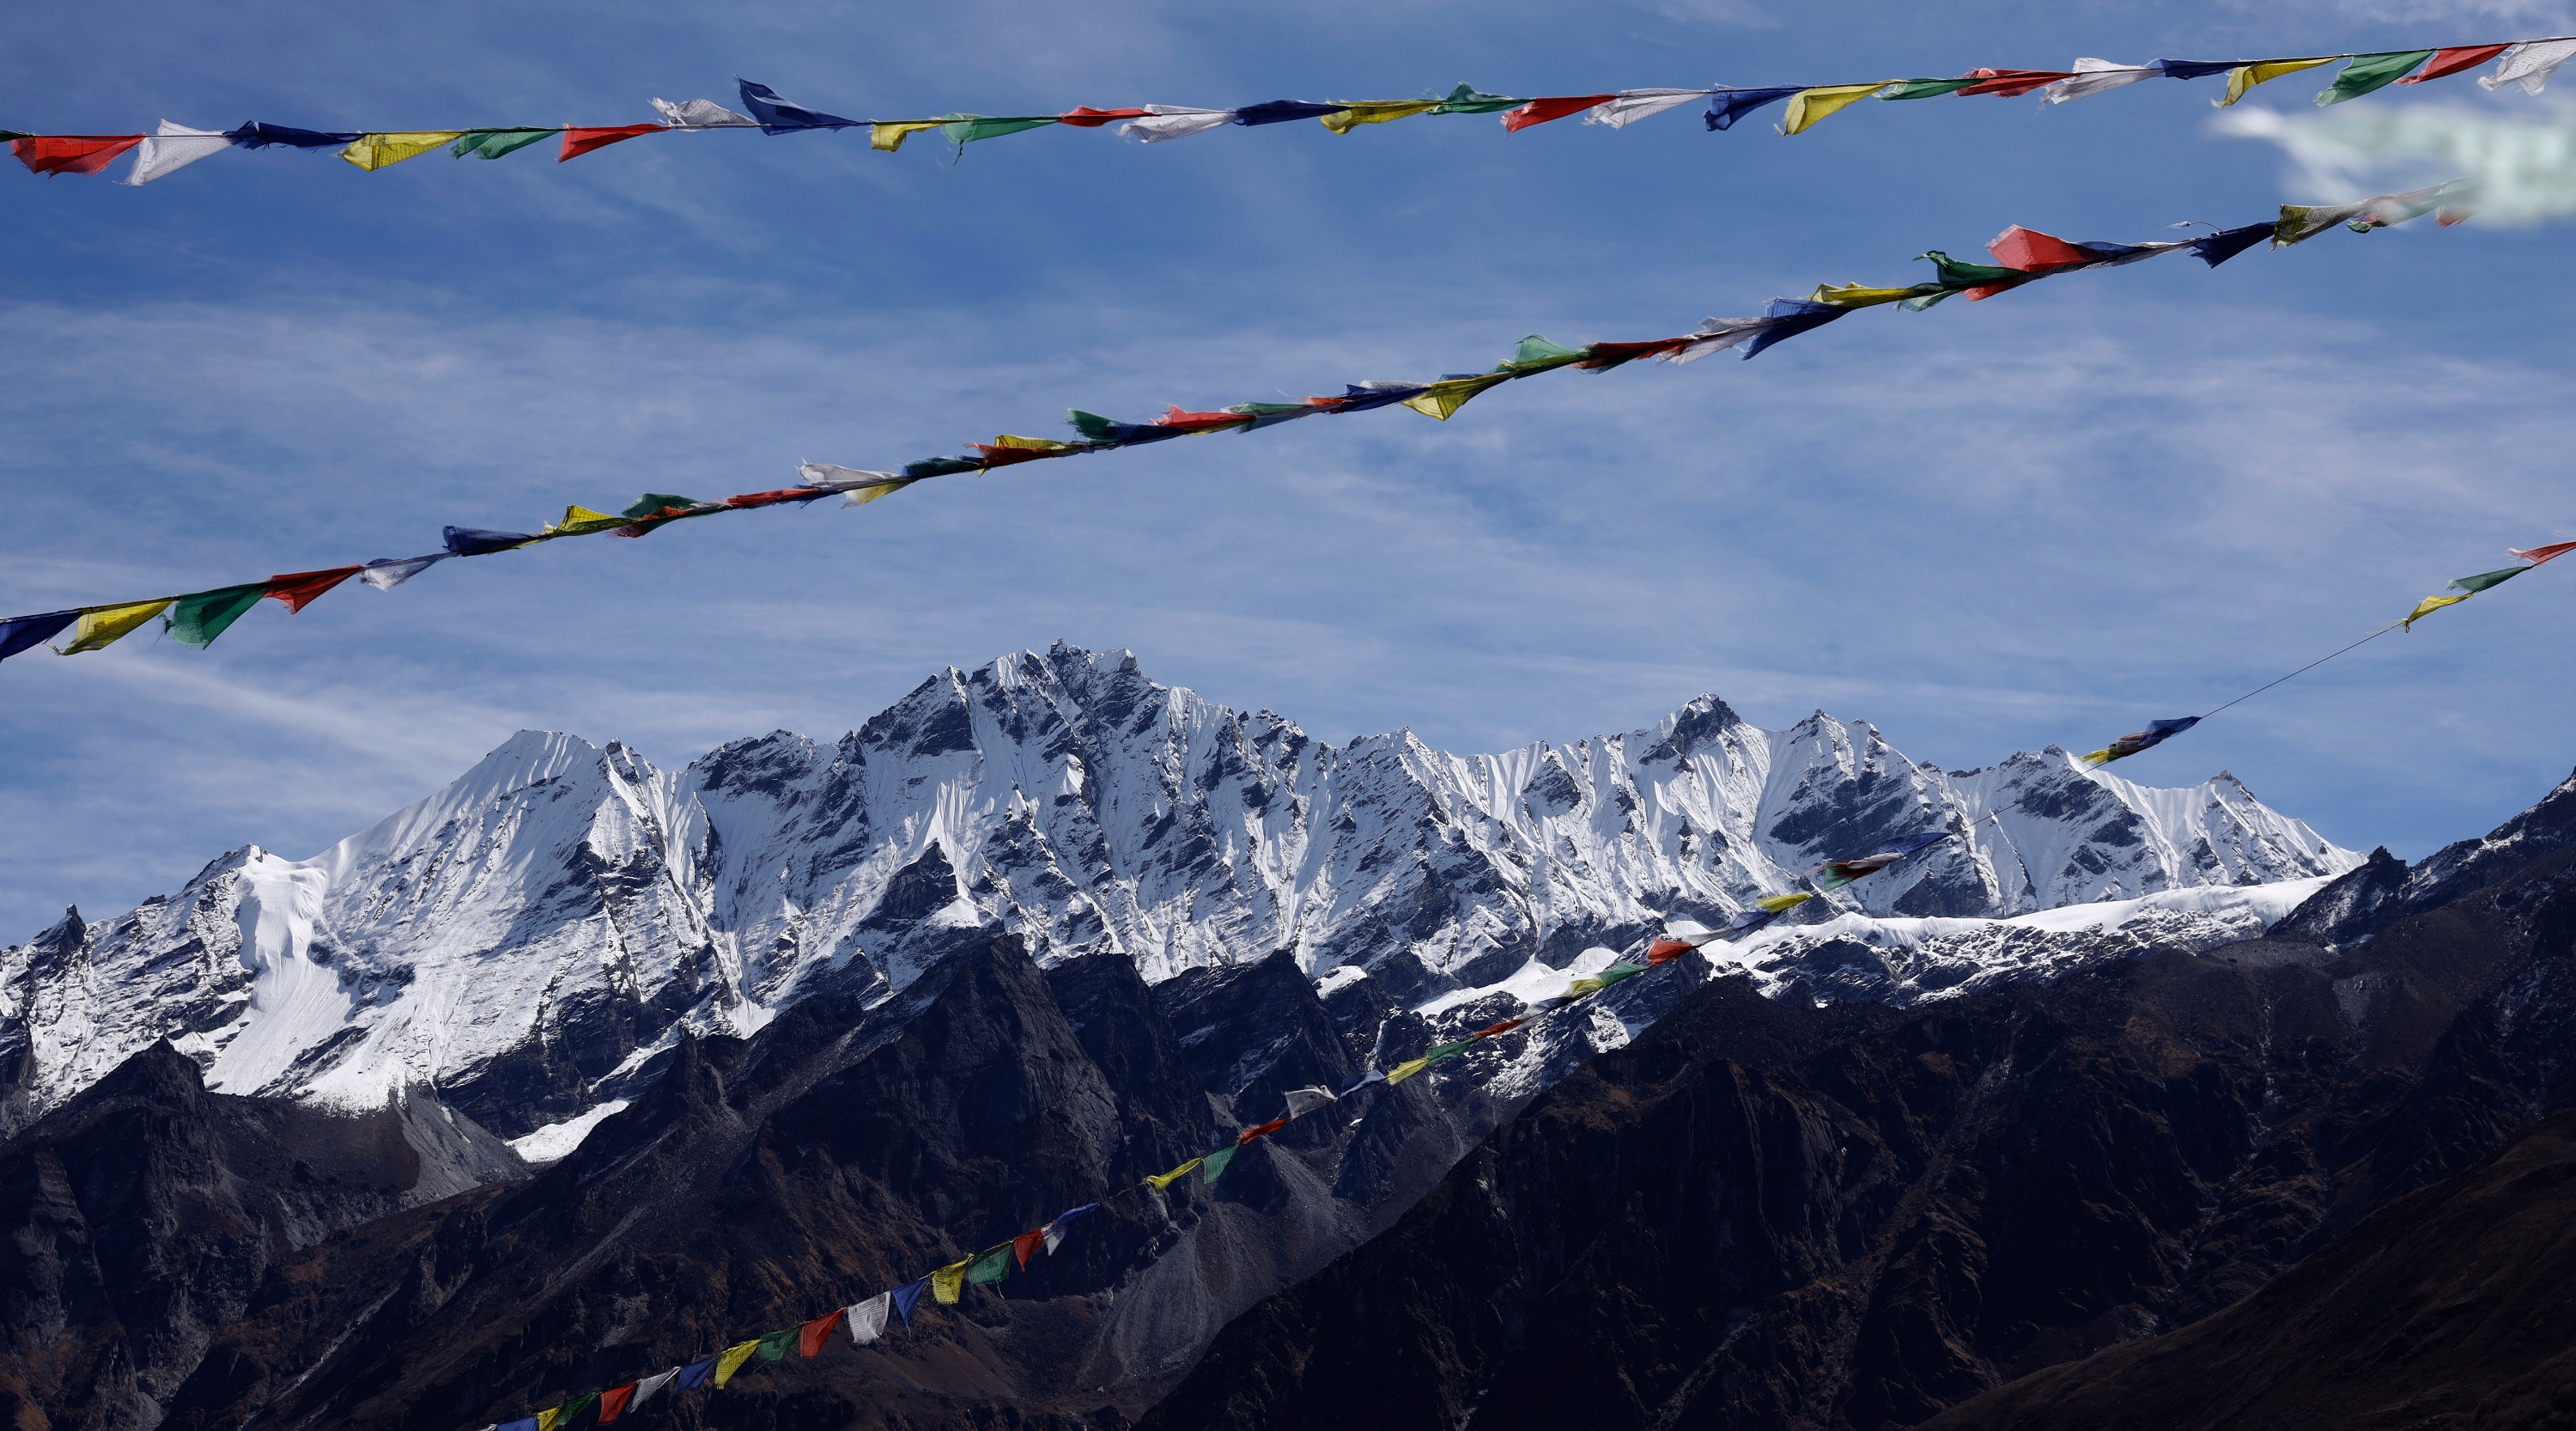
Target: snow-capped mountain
529, 934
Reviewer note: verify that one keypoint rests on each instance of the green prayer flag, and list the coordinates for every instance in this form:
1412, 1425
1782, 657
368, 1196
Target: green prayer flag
493, 143
1537, 355
2485, 579
1617, 972
991, 1267
575, 1407
774, 1346
652, 502
1924, 88
1449, 1050
198, 618
1217, 1162
1466, 99
2369, 72
964, 129
1950, 273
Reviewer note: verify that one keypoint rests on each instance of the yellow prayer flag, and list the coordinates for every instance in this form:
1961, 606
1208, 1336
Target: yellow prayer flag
890, 137
2423, 608
375, 151
578, 521
949, 1281
729, 1363
1852, 295
1376, 111
102, 625
1450, 394
1777, 903
1403, 1071
1162, 1181
1034, 444
1809, 105
546, 1419
2245, 77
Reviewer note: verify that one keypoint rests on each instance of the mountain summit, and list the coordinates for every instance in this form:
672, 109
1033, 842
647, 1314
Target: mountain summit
529, 936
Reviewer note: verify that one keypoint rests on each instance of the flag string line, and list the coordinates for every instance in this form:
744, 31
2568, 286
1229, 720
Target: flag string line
947, 1284
2528, 62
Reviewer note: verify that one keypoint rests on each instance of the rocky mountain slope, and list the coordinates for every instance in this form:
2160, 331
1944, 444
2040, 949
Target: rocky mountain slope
528, 940
1766, 1213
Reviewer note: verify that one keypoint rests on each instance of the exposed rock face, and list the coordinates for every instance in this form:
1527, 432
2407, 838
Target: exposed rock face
1764, 1214
530, 938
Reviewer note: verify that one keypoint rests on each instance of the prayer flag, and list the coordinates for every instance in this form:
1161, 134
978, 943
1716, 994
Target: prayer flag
1466, 99
199, 617
255, 135
889, 137
2156, 733
577, 142
1808, 106
810, 1336
1214, 1165
702, 114
2370, 72
579, 521
907, 1296
2193, 69
777, 116
1925, 88
572, 1409
1438, 1052
1853, 295
940, 467
174, 148
1171, 121
1260, 1130
697, 1374
1788, 318
1360, 397
1366, 1078
1126, 434
732, 1358
1540, 111
990, 1266
1538, 355
1977, 280
1271, 414
743, 501
1407, 1069
299, 589
1663, 949
2092, 77
1063, 1223
1781, 903
1163, 1181
1715, 335
2245, 77
1728, 105
101, 626
473, 541
1445, 397
2530, 65
1085, 117
1026, 1245
644, 1389
1280, 111
378, 151
1834, 874
2485, 579
1498, 1028
2013, 84
2215, 249
524, 1423
613, 1402
773, 1347
547, 1418
1376, 111
1302, 1101
2535, 556
386, 573
2428, 606
493, 143
1175, 417
2452, 61
1747, 922
1630, 105
964, 129
1602, 357
71, 153
2034, 252
23, 633
867, 1320
948, 1282
1620, 972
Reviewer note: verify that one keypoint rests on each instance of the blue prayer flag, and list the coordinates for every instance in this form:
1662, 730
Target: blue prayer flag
1791, 317
693, 1377
255, 135
777, 116
906, 1296
18, 633
473, 541
1729, 105
2194, 69
2225, 244
1280, 111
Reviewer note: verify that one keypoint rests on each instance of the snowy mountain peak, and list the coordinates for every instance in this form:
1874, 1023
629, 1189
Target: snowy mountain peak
529, 934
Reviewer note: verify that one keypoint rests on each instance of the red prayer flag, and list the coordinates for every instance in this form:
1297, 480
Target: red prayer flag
764, 499
1027, 1243
1200, 421
2032, 251
1012, 456
2452, 61
1083, 116
1506, 1026
1608, 355
612, 1404
1663, 949
1540, 111
2537, 555
578, 142
1262, 1131
298, 588
71, 153
811, 1335
2013, 83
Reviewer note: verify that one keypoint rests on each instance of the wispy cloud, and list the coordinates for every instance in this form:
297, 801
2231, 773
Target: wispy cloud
2525, 165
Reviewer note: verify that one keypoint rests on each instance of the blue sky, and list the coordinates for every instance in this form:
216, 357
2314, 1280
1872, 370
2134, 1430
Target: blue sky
2044, 518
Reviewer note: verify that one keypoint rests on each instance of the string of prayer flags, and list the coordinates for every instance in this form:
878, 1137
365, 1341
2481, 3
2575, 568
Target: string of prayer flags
2467, 587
